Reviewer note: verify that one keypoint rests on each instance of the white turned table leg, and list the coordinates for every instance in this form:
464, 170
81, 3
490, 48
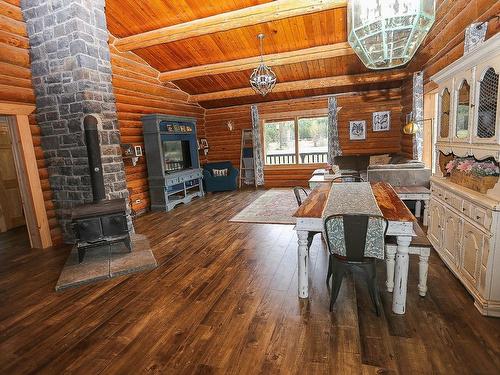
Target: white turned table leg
401, 275
418, 208
426, 202
390, 252
423, 267
303, 264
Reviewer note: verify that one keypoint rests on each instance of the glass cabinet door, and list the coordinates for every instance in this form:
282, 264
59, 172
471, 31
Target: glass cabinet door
444, 116
487, 105
462, 111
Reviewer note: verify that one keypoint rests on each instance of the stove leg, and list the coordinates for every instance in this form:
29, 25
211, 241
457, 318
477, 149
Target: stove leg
81, 255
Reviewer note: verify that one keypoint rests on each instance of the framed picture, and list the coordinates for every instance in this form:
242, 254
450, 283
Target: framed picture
127, 150
381, 121
357, 130
203, 143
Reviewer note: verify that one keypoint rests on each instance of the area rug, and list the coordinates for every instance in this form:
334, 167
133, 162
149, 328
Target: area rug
275, 206
106, 262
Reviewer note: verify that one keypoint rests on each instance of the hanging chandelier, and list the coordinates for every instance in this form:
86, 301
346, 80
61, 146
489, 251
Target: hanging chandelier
263, 78
387, 33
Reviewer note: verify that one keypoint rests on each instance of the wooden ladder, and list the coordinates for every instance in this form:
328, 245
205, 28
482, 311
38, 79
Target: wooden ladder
246, 143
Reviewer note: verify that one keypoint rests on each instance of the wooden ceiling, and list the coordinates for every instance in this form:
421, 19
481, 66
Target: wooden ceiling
187, 28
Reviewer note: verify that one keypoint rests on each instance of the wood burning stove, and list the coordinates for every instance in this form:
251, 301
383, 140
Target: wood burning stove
104, 221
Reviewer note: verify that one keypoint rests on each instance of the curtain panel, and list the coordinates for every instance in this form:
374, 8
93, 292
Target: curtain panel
333, 131
418, 115
257, 146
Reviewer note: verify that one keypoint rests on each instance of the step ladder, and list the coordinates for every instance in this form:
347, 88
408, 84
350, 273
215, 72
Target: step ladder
247, 161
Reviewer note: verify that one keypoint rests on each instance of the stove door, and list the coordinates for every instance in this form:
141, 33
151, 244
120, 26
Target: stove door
114, 225
89, 230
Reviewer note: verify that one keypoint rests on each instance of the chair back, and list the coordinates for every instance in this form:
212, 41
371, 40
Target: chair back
348, 178
298, 190
218, 165
356, 237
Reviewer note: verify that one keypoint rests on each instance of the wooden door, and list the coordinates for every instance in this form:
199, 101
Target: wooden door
451, 237
11, 208
471, 254
435, 217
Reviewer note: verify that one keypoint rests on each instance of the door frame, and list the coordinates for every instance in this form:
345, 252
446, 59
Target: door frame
27, 173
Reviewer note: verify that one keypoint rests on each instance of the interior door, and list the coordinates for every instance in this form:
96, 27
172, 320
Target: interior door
11, 208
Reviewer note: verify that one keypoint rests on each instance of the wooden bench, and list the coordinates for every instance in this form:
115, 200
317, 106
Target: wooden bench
420, 246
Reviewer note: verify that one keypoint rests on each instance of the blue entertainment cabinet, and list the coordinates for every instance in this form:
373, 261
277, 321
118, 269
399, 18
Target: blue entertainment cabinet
171, 148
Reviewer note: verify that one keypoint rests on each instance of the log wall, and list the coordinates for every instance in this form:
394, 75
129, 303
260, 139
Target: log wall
225, 145
15, 86
138, 92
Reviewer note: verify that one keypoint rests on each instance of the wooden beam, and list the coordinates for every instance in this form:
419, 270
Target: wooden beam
316, 83
275, 10
275, 59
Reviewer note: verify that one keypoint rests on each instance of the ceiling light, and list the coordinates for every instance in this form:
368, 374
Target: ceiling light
263, 78
387, 33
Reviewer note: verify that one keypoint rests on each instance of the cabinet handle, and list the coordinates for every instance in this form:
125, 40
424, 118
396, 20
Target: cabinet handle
464, 209
478, 217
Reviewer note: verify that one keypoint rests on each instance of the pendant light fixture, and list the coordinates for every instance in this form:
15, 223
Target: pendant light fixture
387, 33
263, 78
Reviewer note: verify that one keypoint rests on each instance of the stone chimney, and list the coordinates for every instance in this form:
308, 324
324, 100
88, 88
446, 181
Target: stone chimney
71, 74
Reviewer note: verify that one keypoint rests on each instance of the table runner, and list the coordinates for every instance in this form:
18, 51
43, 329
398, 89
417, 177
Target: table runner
354, 198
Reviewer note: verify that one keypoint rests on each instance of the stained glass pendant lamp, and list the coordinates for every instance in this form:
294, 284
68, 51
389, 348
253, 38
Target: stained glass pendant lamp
387, 33
263, 78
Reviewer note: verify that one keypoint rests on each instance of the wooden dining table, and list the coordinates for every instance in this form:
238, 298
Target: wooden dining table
400, 224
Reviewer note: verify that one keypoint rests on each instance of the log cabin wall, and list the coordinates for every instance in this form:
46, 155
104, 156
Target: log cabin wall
138, 92
16, 86
225, 144
444, 45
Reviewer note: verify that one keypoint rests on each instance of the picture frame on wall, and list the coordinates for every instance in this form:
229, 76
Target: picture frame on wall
357, 130
381, 121
203, 143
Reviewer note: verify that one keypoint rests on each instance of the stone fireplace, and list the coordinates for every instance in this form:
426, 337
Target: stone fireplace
71, 74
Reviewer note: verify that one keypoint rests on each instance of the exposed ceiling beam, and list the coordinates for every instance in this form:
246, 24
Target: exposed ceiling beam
275, 10
275, 59
316, 83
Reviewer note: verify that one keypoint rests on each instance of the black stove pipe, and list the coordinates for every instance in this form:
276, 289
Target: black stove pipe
94, 156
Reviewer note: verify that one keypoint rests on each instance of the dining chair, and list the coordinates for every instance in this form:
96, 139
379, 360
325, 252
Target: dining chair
348, 178
355, 242
299, 191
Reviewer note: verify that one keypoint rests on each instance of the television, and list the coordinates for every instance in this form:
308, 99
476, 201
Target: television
176, 155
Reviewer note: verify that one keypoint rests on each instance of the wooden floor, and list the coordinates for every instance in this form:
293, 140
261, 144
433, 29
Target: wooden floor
224, 300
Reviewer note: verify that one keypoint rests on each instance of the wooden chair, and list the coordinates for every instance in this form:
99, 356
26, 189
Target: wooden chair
348, 178
298, 190
355, 240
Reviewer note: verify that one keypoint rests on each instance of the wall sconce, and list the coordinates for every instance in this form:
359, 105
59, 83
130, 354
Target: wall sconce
230, 125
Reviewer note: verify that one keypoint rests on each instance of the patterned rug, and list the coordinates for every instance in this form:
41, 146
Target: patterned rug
275, 206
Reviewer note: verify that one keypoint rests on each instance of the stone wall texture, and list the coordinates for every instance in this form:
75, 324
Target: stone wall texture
71, 73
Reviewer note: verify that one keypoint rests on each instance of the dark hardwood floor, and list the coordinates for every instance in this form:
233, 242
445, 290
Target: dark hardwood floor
224, 300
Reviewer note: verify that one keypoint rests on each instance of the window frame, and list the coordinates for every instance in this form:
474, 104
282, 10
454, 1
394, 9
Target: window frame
295, 117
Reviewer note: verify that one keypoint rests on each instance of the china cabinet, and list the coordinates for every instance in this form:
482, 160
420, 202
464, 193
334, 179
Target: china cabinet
464, 225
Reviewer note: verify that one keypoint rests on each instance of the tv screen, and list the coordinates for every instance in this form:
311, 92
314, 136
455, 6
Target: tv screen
176, 155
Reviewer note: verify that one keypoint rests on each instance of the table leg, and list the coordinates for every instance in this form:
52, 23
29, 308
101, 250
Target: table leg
390, 252
423, 267
401, 275
303, 263
418, 208
426, 202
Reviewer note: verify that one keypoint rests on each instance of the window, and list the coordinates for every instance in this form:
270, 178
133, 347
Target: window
301, 140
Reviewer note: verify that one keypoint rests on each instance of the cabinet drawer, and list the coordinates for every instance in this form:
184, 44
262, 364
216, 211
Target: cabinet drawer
172, 181
453, 201
467, 208
481, 216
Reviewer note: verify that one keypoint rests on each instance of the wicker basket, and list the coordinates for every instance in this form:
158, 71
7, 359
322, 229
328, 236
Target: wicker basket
478, 183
